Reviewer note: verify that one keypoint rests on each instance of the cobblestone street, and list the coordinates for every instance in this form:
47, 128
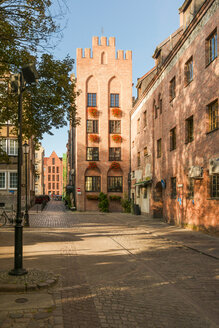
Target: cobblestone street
116, 270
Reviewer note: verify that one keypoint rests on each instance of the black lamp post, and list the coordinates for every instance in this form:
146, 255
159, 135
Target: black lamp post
27, 75
26, 215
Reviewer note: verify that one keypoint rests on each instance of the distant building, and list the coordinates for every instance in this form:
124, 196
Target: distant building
99, 147
53, 175
39, 170
174, 124
8, 170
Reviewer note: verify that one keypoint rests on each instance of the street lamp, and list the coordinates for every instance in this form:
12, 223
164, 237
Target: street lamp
27, 75
26, 152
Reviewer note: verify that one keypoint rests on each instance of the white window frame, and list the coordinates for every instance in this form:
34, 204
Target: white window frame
9, 175
5, 180
3, 148
15, 149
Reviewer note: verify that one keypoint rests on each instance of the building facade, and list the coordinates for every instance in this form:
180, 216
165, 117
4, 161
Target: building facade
102, 157
174, 124
39, 170
53, 175
8, 170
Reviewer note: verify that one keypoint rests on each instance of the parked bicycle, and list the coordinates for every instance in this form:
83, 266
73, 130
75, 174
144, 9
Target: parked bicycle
7, 218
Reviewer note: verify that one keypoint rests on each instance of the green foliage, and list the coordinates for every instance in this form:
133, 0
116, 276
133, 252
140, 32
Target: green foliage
126, 204
67, 200
103, 202
115, 198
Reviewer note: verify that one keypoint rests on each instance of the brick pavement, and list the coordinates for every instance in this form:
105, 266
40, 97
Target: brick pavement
116, 270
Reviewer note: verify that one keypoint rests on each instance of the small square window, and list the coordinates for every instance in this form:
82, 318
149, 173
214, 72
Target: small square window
91, 99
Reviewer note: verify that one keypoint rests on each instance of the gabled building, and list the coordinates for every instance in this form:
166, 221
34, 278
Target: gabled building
101, 141
174, 124
53, 175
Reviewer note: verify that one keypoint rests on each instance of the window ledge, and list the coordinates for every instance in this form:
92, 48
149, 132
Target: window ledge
212, 131
187, 83
210, 62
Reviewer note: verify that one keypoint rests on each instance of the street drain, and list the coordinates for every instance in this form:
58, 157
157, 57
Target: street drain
21, 300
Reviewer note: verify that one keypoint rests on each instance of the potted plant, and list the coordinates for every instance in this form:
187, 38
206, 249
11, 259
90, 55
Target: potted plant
116, 112
94, 137
92, 197
117, 138
115, 198
115, 166
92, 165
93, 111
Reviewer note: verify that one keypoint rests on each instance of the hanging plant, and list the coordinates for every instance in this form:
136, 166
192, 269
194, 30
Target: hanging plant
116, 112
93, 111
115, 166
115, 198
117, 138
92, 165
94, 137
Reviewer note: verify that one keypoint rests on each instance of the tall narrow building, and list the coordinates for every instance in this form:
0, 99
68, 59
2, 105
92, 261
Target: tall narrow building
102, 158
53, 175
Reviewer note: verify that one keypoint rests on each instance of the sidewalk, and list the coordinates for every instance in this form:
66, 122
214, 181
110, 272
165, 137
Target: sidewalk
44, 305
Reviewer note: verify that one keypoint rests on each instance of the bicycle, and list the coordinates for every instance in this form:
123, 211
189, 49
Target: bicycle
5, 218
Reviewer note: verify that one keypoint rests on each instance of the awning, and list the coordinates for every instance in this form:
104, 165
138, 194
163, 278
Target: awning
143, 183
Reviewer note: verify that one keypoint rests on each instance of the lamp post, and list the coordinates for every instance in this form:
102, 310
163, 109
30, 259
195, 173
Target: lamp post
26, 152
27, 75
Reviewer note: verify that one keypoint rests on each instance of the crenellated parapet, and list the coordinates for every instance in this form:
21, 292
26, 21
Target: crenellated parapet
101, 45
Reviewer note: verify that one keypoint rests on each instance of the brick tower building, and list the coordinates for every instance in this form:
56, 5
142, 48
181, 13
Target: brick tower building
53, 175
102, 159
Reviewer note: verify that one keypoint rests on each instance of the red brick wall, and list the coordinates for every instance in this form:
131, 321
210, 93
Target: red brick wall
190, 100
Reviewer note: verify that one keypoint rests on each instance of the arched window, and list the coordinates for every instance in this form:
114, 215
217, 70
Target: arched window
103, 58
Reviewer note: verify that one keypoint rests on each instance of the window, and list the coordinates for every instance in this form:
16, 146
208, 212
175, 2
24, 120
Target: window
3, 145
53, 177
57, 169
115, 154
2, 180
160, 103
191, 188
215, 186
173, 188
57, 177
173, 139
155, 109
12, 183
172, 89
158, 148
49, 177
91, 99
138, 125
188, 71
189, 130
57, 186
213, 116
211, 47
133, 174
49, 169
145, 192
92, 126
53, 169
145, 118
13, 147
92, 154
115, 184
53, 161
138, 159
53, 187
49, 185
114, 100
145, 151
57, 193
133, 144
92, 184
115, 126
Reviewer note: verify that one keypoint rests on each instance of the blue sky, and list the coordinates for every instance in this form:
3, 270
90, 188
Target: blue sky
137, 25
